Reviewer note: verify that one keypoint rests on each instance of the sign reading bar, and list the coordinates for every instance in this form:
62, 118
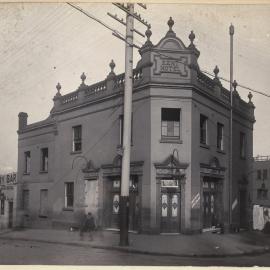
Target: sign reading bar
8, 179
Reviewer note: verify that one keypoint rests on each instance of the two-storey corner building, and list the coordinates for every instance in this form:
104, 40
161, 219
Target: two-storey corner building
8, 190
70, 163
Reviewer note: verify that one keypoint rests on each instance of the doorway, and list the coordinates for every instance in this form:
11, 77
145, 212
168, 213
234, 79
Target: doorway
170, 206
10, 214
133, 204
242, 208
212, 202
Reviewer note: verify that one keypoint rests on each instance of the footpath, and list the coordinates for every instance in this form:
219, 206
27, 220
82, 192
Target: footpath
198, 245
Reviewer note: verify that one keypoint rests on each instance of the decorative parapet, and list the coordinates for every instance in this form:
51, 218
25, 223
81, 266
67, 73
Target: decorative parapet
112, 84
210, 86
69, 98
96, 88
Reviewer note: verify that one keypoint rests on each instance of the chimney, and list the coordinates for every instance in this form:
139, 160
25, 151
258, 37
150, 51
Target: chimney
22, 120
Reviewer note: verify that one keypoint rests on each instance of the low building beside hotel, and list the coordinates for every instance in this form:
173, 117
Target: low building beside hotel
8, 189
70, 163
261, 180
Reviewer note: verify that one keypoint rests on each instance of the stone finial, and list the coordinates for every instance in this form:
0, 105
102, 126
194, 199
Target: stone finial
216, 71
170, 23
250, 96
112, 66
191, 37
148, 33
58, 87
83, 78
234, 85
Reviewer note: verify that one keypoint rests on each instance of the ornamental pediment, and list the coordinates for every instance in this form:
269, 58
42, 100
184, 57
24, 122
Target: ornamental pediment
171, 44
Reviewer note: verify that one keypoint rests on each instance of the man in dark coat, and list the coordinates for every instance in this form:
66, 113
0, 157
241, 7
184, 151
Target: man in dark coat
88, 225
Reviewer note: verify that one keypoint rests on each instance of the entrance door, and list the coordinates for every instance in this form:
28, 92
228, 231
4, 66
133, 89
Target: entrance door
133, 211
133, 204
170, 212
242, 208
10, 214
91, 198
211, 199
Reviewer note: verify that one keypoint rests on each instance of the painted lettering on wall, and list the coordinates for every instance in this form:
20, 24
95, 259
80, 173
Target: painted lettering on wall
166, 65
8, 180
170, 66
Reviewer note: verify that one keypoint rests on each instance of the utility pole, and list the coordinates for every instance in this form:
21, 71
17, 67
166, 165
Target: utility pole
125, 170
231, 32
124, 197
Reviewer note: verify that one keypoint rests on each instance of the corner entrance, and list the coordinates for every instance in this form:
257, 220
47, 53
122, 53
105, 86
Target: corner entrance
170, 206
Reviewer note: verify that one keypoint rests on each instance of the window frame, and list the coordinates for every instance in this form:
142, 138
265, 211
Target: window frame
265, 174
27, 162
205, 118
175, 125
67, 205
43, 161
76, 141
2, 211
220, 139
259, 174
243, 145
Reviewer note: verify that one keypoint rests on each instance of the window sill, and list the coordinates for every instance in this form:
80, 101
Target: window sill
206, 146
42, 172
221, 151
26, 173
75, 152
171, 140
70, 209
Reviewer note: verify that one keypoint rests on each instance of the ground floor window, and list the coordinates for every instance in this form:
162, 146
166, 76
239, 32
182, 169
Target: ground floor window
69, 194
25, 199
2, 207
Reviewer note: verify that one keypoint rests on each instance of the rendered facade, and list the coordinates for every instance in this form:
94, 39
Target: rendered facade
70, 163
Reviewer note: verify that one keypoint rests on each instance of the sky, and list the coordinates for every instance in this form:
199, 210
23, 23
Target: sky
42, 44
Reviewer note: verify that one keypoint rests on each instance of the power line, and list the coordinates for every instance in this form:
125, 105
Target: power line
164, 55
240, 85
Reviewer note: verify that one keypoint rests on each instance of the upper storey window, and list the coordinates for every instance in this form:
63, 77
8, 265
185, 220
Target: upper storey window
44, 159
27, 158
121, 129
170, 123
242, 145
220, 136
77, 139
203, 129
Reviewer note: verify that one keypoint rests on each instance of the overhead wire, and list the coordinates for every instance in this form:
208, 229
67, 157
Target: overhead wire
164, 55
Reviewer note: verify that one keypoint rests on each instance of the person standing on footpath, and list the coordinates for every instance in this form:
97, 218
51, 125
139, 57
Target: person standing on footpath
88, 225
